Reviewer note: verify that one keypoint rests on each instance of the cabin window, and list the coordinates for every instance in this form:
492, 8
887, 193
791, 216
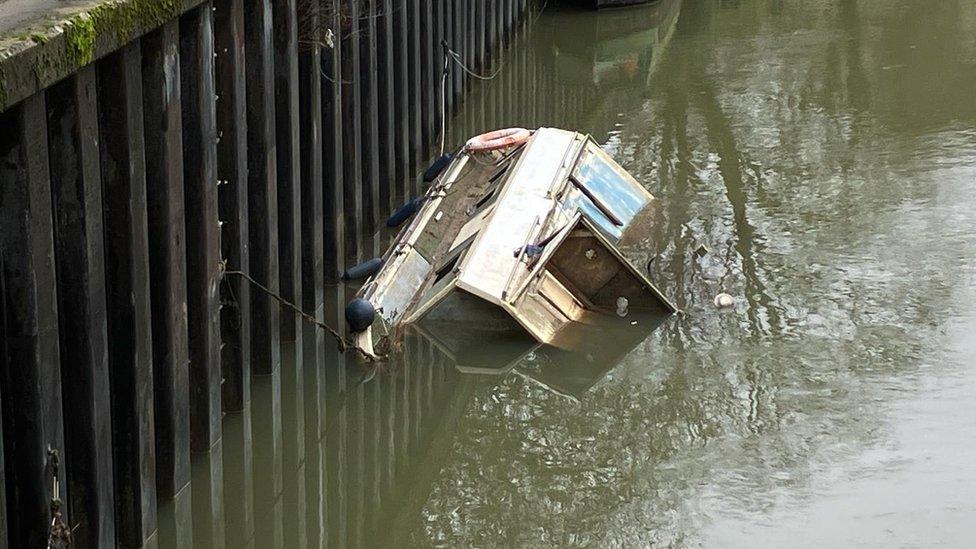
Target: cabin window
452, 260
512, 154
613, 191
446, 269
486, 200
497, 174
491, 193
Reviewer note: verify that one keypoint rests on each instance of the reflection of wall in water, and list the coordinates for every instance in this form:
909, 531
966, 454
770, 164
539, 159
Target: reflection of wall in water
573, 69
373, 442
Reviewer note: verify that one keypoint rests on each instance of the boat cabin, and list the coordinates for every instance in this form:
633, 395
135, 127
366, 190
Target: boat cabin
522, 240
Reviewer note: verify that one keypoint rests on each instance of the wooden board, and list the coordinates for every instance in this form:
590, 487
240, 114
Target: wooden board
202, 224
76, 188
3, 476
30, 363
313, 259
332, 157
386, 104
162, 117
401, 94
287, 117
235, 292
238, 466
371, 155
352, 133
416, 75
262, 185
289, 239
123, 166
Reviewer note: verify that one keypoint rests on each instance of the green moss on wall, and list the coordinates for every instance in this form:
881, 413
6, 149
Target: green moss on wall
79, 35
122, 19
126, 18
107, 26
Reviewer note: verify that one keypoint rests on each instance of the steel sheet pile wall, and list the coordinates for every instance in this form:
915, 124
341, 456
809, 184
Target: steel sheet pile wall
265, 136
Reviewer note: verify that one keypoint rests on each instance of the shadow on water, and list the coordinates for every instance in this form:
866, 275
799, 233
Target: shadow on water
821, 155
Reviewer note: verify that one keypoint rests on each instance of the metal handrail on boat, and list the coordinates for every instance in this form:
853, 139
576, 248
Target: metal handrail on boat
518, 258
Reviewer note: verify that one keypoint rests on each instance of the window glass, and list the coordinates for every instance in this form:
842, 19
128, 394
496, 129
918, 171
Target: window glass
612, 190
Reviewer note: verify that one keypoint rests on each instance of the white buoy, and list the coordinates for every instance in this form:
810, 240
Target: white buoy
622, 305
724, 301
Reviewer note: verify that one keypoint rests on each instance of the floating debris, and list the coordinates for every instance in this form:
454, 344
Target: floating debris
724, 301
622, 306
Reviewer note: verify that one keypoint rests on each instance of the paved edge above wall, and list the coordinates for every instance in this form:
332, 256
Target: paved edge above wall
50, 47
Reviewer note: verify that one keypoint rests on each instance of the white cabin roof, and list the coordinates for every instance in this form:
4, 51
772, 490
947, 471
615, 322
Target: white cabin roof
491, 266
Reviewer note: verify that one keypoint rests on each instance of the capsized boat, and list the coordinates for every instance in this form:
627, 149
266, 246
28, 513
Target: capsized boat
520, 234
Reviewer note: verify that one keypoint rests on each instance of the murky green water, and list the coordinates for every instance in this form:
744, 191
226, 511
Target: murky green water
824, 153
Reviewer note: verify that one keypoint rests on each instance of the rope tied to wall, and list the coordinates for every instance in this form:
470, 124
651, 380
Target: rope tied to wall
451, 55
343, 344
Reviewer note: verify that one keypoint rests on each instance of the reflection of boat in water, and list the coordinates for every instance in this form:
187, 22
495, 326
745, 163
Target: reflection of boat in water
570, 370
463, 375
604, 4
607, 58
623, 45
574, 371
523, 240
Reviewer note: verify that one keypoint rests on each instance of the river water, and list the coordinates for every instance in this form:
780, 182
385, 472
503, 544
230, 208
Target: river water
817, 161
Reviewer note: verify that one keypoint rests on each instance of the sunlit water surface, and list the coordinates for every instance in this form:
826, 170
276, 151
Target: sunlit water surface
824, 155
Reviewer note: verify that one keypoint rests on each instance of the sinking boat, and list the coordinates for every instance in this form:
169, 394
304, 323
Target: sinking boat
520, 234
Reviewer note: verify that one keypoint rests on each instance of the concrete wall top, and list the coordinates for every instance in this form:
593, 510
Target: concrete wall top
44, 41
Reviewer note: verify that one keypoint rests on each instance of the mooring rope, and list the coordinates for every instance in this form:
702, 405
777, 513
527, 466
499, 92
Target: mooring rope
444, 95
343, 344
539, 13
451, 55
340, 340
459, 60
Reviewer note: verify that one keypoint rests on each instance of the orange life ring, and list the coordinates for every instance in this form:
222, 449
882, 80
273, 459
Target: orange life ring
498, 139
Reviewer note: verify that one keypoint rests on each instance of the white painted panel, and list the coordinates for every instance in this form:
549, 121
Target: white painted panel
523, 201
